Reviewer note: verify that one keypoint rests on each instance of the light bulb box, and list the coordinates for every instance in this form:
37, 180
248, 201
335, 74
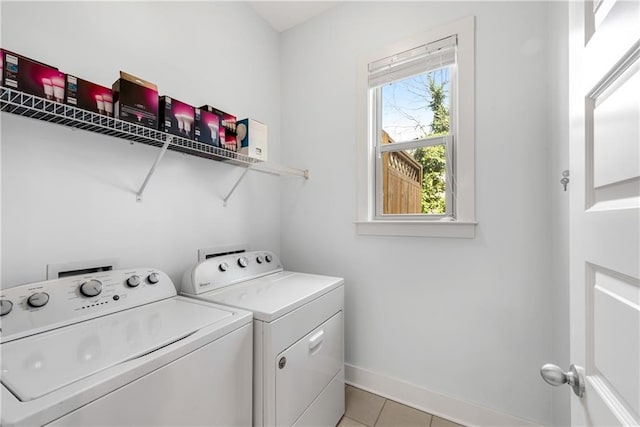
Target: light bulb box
89, 96
252, 138
135, 100
33, 77
227, 128
207, 127
176, 117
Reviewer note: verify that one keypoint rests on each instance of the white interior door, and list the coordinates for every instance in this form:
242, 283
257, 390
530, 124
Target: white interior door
605, 214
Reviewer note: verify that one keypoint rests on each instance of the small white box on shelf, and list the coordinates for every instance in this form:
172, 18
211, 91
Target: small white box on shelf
252, 138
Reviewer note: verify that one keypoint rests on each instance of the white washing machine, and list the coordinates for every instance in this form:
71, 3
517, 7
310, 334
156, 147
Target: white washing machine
298, 334
121, 348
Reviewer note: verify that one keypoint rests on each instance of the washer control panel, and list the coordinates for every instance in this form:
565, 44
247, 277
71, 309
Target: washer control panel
37, 307
218, 272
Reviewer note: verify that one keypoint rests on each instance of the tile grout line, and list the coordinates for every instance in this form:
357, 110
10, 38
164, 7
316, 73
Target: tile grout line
380, 413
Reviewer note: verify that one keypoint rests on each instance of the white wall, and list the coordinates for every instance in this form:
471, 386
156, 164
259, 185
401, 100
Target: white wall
558, 93
70, 195
469, 318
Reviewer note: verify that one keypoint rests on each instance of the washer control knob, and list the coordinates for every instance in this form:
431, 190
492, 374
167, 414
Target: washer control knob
243, 262
39, 299
153, 278
133, 281
5, 307
223, 267
268, 257
260, 259
91, 288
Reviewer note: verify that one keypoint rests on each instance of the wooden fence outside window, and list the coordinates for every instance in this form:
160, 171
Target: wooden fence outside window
401, 181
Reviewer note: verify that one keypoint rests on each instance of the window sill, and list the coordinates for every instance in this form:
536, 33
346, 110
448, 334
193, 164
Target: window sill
450, 229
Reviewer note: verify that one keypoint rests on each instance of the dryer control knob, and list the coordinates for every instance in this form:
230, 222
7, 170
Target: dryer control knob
39, 299
153, 278
260, 259
243, 262
223, 267
268, 257
133, 281
5, 307
91, 288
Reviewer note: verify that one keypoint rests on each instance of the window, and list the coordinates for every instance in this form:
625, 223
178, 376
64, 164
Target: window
416, 136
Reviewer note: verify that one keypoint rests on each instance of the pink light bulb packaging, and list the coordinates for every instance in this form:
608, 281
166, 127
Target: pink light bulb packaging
89, 96
207, 127
227, 129
176, 117
32, 77
135, 100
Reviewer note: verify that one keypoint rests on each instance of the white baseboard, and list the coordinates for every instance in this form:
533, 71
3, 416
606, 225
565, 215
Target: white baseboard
459, 411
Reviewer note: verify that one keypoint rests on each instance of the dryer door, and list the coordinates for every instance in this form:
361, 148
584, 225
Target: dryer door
306, 368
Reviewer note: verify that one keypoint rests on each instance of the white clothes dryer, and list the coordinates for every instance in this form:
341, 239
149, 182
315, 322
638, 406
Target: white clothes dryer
121, 348
298, 334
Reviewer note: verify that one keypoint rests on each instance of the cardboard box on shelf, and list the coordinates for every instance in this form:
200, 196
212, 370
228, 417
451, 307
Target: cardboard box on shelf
207, 127
89, 96
135, 100
227, 128
176, 117
32, 77
252, 138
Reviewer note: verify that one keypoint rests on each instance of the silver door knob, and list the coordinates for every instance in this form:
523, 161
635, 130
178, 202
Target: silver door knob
553, 375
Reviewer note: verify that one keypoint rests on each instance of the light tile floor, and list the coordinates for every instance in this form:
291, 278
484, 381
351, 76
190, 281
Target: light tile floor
364, 409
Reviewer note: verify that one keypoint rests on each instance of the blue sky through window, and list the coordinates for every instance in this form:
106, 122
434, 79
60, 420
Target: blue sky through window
405, 111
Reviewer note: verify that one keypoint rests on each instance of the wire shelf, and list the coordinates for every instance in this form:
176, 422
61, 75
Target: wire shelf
22, 104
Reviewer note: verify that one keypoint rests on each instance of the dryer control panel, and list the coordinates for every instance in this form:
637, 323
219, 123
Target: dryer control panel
37, 307
218, 272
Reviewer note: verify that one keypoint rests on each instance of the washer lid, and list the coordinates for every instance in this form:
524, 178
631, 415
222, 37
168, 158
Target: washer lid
272, 296
40, 364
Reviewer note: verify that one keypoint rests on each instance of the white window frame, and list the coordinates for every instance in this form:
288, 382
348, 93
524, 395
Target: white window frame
462, 224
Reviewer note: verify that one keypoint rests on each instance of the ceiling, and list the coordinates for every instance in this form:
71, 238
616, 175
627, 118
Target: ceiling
283, 15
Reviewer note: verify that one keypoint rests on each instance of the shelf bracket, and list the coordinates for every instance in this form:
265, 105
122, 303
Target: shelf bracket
244, 173
153, 168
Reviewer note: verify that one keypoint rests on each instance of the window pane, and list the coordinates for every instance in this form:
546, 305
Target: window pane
417, 107
414, 181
